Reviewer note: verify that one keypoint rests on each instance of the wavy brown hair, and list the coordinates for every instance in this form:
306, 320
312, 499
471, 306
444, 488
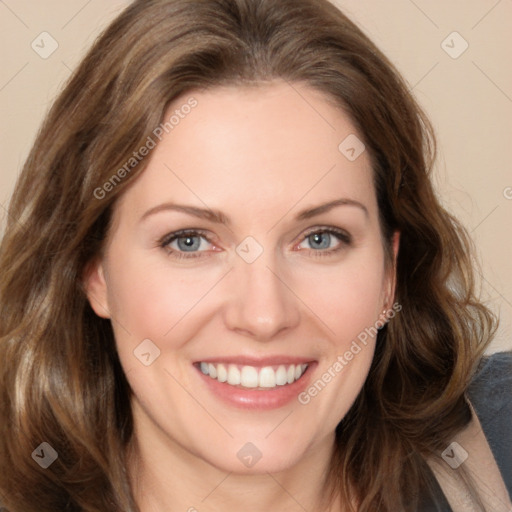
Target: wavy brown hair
60, 379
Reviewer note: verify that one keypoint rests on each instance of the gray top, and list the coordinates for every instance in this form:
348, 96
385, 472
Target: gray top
490, 394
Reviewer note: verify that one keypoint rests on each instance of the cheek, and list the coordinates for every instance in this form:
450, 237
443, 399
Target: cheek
360, 298
349, 305
347, 298
150, 297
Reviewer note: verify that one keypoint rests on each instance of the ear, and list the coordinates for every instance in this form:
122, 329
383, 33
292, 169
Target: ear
95, 285
391, 273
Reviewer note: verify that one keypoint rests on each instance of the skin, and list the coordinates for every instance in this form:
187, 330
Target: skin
260, 155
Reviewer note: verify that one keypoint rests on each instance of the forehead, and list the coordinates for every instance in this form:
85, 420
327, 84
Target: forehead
254, 147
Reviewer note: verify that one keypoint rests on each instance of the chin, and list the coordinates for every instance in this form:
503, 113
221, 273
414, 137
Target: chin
246, 454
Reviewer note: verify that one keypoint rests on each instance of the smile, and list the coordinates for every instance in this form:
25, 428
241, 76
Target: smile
252, 377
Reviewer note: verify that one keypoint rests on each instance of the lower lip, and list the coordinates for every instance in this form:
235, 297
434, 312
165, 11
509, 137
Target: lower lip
255, 399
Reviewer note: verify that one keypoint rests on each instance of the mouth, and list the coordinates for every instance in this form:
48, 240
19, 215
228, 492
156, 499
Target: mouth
258, 384
253, 377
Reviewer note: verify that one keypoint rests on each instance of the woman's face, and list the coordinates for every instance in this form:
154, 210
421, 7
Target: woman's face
248, 249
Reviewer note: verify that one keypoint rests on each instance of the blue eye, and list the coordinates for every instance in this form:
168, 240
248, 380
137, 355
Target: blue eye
320, 240
326, 241
194, 243
188, 243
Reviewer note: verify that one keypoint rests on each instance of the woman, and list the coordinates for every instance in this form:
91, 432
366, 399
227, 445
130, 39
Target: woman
228, 284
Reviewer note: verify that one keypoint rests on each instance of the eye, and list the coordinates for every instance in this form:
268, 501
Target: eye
186, 243
325, 241
194, 243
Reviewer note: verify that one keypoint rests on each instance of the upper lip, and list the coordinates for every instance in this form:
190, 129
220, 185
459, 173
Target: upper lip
257, 361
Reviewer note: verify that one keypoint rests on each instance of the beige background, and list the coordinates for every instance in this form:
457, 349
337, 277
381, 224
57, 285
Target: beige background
469, 99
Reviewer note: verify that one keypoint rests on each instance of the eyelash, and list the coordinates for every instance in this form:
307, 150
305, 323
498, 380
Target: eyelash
344, 238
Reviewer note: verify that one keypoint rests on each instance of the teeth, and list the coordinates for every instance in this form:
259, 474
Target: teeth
233, 375
281, 376
267, 377
290, 374
212, 371
253, 377
222, 373
249, 377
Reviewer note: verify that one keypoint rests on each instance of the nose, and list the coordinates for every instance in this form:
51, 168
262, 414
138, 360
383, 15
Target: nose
261, 303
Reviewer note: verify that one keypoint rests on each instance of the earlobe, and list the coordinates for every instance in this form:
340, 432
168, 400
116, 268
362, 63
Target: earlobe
390, 295
396, 246
95, 287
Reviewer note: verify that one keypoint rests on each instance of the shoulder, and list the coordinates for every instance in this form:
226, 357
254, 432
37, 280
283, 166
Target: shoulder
490, 393
487, 438
494, 374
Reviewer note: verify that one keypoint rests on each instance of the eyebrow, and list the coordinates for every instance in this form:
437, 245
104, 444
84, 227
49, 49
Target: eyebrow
218, 217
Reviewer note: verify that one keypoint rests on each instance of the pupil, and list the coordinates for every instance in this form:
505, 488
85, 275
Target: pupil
321, 240
188, 242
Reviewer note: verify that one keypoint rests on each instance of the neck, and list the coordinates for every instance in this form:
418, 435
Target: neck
165, 476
